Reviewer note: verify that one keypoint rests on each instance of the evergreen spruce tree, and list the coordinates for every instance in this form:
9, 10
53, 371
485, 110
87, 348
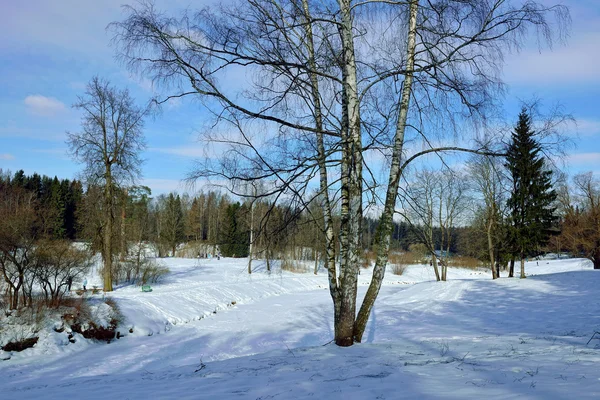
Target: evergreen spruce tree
56, 208
531, 200
174, 229
235, 241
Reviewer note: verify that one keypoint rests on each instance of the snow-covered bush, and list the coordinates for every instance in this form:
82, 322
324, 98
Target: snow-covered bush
96, 319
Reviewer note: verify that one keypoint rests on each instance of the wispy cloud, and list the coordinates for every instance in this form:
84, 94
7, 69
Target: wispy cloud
6, 157
60, 153
588, 127
584, 159
44, 106
575, 63
183, 151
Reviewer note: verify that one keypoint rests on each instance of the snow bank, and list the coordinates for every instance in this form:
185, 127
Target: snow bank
469, 337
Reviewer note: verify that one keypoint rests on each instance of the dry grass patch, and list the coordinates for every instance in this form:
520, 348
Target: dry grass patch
465, 262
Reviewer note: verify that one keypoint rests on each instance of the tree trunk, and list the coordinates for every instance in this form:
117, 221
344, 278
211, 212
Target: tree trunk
435, 267
123, 238
386, 219
15, 297
491, 251
107, 234
444, 269
268, 260
351, 193
251, 245
511, 269
522, 267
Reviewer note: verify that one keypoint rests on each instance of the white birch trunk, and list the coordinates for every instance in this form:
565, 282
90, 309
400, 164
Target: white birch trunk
386, 220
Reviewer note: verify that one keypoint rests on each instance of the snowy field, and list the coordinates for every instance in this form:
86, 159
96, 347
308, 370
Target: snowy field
210, 331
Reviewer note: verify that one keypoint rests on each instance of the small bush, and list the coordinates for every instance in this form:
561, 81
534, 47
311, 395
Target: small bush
398, 269
152, 272
140, 271
293, 266
116, 317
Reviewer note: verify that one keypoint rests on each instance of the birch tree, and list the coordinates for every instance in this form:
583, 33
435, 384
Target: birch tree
322, 85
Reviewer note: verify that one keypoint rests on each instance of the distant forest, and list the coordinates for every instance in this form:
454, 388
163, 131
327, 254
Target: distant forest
65, 209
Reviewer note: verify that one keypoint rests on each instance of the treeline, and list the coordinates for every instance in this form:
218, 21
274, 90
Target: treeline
57, 202
65, 211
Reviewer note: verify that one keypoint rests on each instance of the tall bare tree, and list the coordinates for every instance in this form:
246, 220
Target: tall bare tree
109, 145
329, 83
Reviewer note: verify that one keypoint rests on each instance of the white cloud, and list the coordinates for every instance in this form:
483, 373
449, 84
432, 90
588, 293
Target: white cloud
588, 127
584, 159
6, 157
576, 62
184, 151
44, 106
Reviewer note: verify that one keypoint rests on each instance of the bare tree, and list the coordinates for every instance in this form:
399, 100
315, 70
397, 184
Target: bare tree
109, 144
581, 217
486, 175
17, 242
419, 205
58, 264
331, 81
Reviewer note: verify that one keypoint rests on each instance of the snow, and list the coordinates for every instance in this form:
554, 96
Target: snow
270, 337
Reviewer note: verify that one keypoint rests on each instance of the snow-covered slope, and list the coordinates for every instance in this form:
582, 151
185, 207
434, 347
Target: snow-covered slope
469, 337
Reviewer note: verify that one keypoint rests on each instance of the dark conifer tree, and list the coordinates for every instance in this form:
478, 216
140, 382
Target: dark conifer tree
235, 241
532, 197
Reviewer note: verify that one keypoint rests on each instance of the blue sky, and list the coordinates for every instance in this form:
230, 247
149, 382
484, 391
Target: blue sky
50, 50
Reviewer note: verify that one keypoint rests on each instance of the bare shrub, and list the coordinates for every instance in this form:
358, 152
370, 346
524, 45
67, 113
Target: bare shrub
57, 264
293, 266
117, 316
398, 269
140, 270
152, 272
368, 259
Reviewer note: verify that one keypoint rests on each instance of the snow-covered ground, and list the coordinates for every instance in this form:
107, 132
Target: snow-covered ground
210, 331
